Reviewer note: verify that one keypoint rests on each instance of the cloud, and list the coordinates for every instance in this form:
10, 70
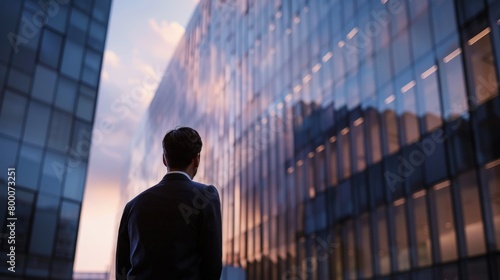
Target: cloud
169, 32
111, 58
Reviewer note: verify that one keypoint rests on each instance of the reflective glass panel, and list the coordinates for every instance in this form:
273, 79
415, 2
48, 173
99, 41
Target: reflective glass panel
482, 66
422, 234
445, 222
401, 235
44, 225
28, 167
12, 114
36, 127
44, 84
491, 178
471, 213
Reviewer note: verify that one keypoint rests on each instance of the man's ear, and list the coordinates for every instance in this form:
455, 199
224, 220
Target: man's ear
164, 161
197, 160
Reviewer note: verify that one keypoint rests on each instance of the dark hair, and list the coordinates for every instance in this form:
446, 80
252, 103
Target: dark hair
180, 146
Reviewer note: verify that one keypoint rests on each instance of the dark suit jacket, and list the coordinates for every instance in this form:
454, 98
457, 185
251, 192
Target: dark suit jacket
171, 231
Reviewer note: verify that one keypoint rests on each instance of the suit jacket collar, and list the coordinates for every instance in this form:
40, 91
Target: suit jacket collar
175, 176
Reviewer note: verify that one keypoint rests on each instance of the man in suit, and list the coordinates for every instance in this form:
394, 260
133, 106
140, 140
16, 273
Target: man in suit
173, 229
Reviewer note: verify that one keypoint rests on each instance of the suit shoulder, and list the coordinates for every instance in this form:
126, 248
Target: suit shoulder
208, 191
141, 196
201, 185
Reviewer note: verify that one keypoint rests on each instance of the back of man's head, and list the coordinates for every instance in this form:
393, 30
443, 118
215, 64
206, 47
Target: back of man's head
181, 146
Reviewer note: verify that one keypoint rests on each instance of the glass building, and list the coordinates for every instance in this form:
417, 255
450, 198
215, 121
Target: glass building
50, 62
348, 139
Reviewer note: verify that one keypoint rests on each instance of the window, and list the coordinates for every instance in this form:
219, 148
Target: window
422, 234
345, 152
352, 91
344, 193
3, 74
407, 107
60, 131
401, 52
24, 205
29, 167
97, 35
382, 252
58, 20
101, 10
300, 185
79, 20
50, 48
91, 67
491, 178
66, 94
452, 79
367, 83
350, 251
337, 254
85, 108
444, 23
358, 135
373, 125
333, 174
417, 8
72, 59
54, 167
9, 152
445, 223
383, 69
471, 9
18, 80
479, 54
25, 57
421, 34
35, 130
471, 213
399, 14
323, 251
387, 107
12, 114
428, 93
44, 225
320, 169
10, 18
401, 235
44, 84
67, 229
365, 258
311, 180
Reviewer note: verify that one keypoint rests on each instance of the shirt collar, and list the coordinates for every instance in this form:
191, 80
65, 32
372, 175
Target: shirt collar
180, 172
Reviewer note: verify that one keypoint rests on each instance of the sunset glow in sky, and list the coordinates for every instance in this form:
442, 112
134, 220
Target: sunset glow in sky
141, 38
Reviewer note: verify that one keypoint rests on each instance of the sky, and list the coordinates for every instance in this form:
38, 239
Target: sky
142, 36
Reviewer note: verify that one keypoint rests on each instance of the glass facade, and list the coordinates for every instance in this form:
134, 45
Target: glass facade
50, 61
349, 139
